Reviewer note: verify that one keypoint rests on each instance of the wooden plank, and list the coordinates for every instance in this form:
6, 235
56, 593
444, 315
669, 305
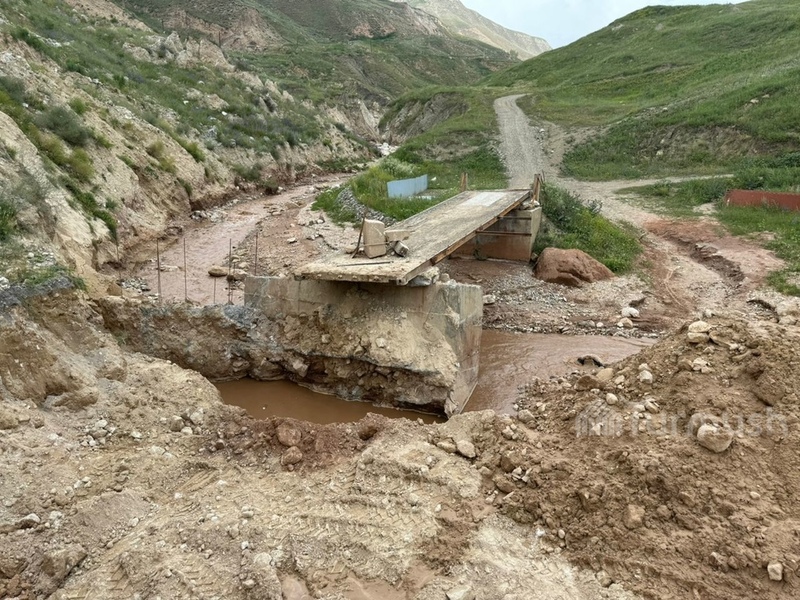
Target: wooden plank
435, 234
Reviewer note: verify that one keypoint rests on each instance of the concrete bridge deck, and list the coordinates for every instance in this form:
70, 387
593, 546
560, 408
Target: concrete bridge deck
434, 234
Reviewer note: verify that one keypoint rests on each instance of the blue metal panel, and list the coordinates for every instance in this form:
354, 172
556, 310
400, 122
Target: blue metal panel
405, 188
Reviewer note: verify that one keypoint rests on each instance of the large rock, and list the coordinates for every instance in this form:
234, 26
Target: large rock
570, 267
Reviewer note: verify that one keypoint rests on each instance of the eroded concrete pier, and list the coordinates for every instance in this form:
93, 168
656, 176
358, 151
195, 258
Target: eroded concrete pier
416, 347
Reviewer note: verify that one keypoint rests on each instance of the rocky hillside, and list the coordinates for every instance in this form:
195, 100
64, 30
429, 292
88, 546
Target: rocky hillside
461, 20
117, 118
331, 52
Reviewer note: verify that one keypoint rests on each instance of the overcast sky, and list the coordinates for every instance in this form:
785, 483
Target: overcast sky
561, 22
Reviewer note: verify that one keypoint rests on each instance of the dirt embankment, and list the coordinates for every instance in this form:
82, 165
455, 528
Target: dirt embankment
125, 474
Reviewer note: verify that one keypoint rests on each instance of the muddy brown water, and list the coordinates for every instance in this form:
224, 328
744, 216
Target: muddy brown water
508, 360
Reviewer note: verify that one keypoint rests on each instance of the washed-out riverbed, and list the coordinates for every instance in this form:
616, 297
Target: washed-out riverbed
508, 360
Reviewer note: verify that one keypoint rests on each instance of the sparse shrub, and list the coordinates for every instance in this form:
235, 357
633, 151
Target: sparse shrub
65, 124
186, 186
193, 148
53, 148
14, 87
8, 219
80, 165
79, 106
158, 151
251, 173
571, 224
23, 35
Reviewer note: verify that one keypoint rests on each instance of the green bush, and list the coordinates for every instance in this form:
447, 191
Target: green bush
79, 106
250, 174
53, 148
80, 165
571, 224
8, 219
159, 151
65, 124
193, 148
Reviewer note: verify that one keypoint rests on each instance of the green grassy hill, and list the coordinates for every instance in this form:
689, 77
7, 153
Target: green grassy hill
678, 89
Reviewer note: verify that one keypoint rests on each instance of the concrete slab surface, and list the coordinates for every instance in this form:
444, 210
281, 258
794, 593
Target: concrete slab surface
434, 234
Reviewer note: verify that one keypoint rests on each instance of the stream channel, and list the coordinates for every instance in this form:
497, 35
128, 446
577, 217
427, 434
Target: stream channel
508, 360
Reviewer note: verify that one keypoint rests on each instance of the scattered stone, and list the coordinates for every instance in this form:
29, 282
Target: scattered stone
698, 332
625, 324
292, 456
425, 279
489, 299
646, 377
604, 579
217, 271
504, 483
714, 437
447, 445
59, 564
175, 423
8, 420
775, 571
462, 592
197, 417
605, 375
629, 313
525, 416
769, 389
651, 406
611, 399
697, 338
289, 435
591, 359
633, 517
28, 521
466, 449
401, 249
587, 382
291, 240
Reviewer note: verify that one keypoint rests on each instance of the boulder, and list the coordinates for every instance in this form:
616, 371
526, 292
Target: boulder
569, 267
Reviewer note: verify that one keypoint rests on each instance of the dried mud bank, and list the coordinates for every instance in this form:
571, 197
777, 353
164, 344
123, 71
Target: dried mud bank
125, 475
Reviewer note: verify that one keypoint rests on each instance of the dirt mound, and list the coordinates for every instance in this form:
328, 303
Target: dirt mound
615, 465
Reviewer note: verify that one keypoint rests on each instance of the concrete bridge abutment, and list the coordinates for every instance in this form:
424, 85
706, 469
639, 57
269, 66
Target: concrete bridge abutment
412, 347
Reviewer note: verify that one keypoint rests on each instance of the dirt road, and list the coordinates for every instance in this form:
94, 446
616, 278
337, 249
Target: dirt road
693, 266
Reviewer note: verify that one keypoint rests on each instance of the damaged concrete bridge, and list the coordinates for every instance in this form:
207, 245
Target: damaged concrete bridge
386, 329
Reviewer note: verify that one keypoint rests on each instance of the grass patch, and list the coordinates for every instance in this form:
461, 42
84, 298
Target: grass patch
88, 203
483, 165
572, 224
681, 199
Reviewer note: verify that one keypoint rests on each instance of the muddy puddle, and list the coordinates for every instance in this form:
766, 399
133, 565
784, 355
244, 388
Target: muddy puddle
264, 399
507, 361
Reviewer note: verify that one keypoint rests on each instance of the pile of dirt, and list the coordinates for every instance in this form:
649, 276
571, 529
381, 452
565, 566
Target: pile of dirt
674, 472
